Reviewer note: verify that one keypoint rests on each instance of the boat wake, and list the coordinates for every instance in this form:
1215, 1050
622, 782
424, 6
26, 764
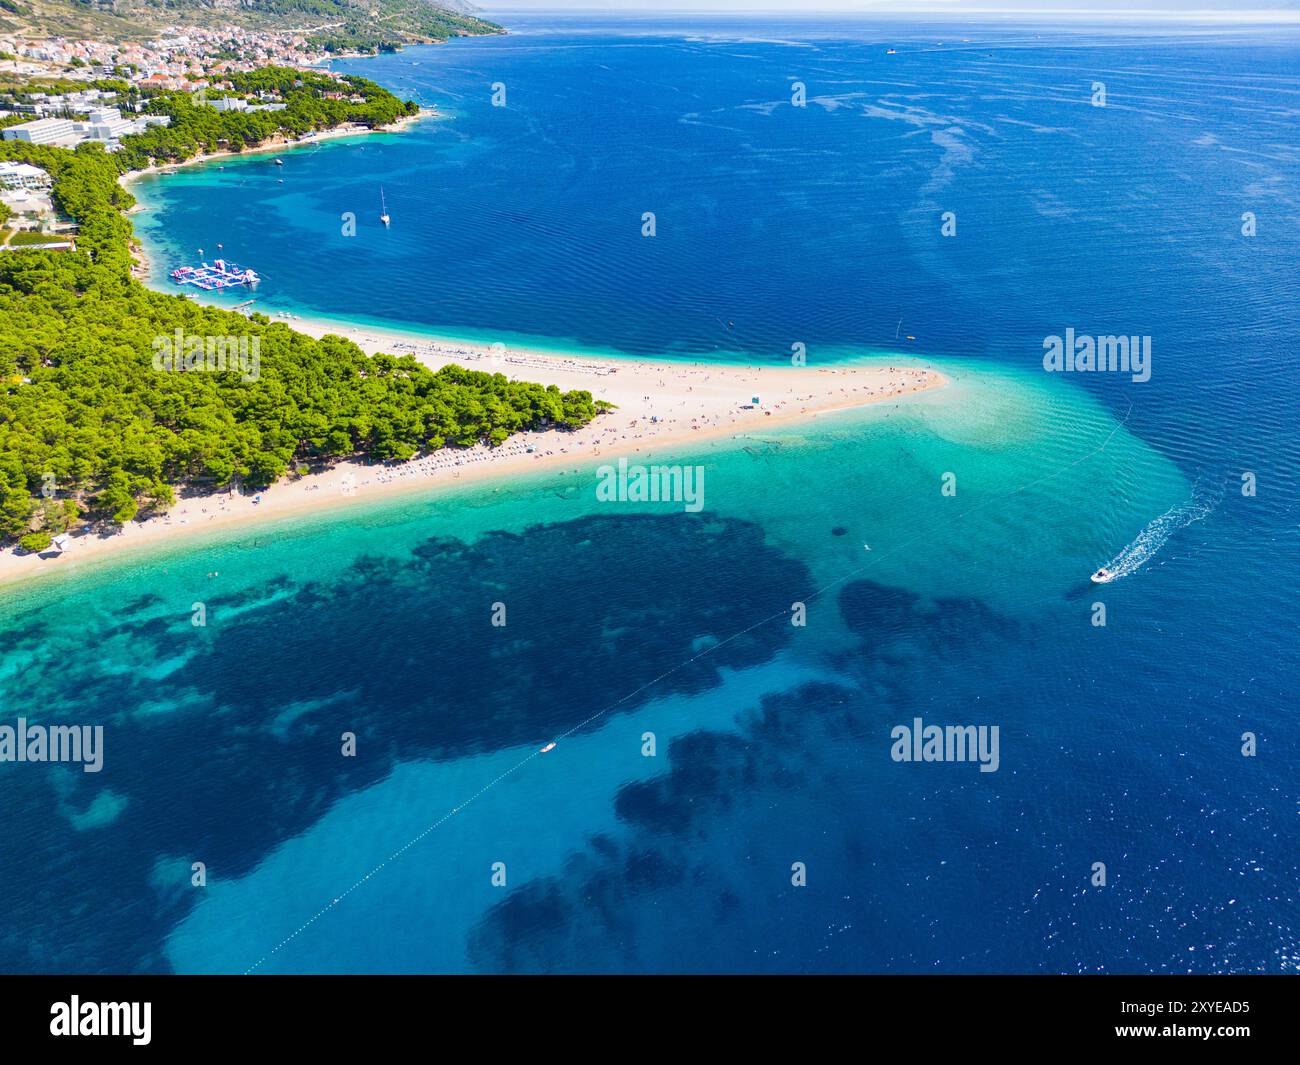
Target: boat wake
1158, 530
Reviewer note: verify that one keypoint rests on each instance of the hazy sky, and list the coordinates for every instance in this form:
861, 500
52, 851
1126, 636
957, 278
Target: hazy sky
1163, 8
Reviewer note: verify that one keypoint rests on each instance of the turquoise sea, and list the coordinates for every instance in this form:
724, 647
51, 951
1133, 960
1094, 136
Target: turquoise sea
705, 746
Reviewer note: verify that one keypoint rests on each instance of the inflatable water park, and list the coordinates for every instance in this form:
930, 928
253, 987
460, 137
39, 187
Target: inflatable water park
219, 274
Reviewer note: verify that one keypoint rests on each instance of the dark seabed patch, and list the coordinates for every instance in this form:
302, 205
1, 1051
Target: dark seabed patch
910, 867
235, 747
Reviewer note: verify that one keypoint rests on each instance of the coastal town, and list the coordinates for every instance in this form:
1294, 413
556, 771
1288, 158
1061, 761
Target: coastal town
184, 58
62, 93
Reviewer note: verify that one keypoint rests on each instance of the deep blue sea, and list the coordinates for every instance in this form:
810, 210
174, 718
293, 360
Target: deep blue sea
710, 753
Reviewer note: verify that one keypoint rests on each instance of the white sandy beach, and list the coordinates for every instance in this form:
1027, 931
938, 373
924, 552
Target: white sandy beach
663, 409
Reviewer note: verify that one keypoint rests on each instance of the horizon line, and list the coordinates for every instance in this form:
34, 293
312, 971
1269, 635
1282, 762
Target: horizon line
1215, 15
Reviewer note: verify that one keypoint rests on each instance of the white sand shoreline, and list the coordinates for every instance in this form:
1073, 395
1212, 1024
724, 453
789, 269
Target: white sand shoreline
664, 408
689, 402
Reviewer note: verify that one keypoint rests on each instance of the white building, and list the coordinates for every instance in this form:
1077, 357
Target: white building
109, 129
43, 131
235, 103
23, 176
28, 208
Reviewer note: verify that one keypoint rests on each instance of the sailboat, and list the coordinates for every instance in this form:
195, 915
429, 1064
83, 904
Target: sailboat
384, 207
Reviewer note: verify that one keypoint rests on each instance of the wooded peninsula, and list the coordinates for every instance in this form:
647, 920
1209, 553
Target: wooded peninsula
92, 432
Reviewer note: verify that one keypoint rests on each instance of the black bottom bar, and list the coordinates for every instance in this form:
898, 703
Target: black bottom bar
339, 1014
